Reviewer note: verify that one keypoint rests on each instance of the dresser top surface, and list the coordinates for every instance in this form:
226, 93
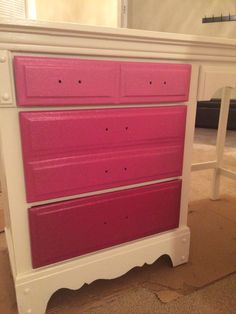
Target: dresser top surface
73, 29
28, 36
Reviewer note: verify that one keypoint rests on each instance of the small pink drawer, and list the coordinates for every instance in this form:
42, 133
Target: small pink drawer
154, 82
68, 229
72, 152
65, 81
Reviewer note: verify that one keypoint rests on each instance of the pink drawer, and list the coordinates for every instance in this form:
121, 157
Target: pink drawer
154, 82
49, 133
72, 152
68, 229
64, 81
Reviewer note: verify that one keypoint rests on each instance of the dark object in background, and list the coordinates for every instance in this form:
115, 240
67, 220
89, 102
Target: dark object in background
208, 114
217, 19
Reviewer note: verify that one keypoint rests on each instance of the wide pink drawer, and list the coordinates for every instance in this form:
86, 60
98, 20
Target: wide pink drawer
48, 81
65, 81
68, 229
154, 82
71, 152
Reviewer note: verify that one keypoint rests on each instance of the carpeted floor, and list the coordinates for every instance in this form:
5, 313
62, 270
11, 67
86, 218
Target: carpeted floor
207, 284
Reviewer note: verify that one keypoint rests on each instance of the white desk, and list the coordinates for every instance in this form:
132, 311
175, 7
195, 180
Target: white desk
213, 62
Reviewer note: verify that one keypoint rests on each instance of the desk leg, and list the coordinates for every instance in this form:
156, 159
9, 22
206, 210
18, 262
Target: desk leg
220, 142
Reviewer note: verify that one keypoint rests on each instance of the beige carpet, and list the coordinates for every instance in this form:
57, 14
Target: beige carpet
212, 257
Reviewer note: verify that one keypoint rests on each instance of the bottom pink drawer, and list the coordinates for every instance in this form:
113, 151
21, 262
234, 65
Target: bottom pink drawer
67, 229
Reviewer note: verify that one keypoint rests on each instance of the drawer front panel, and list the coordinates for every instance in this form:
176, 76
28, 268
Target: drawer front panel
154, 82
74, 175
55, 81
53, 133
67, 153
64, 81
73, 228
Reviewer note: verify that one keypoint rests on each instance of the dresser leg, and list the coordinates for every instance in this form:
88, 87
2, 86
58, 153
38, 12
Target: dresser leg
180, 253
31, 300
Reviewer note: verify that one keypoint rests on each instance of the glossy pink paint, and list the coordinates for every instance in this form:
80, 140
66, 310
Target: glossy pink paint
64, 81
72, 152
68, 229
45, 81
144, 82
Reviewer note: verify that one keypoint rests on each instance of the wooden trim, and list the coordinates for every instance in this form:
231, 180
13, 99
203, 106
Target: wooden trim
39, 36
204, 165
228, 173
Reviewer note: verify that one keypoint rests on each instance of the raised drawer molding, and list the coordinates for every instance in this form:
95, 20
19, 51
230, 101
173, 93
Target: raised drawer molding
154, 82
72, 152
63, 81
72, 228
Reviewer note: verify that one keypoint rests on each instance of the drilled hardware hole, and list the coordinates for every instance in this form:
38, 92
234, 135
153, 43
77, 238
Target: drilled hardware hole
59, 81
125, 169
106, 129
164, 82
150, 82
106, 171
126, 128
79, 81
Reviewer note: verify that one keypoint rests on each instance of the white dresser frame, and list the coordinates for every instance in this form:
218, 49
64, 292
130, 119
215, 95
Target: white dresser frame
34, 287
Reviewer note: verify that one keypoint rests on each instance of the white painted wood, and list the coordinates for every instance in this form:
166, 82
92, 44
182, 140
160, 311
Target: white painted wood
106, 264
220, 141
212, 78
12, 181
188, 145
228, 173
102, 106
204, 165
43, 27
11, 251
29, 36
6, 98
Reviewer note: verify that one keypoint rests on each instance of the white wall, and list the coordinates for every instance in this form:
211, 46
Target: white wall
182, 16
92, 12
